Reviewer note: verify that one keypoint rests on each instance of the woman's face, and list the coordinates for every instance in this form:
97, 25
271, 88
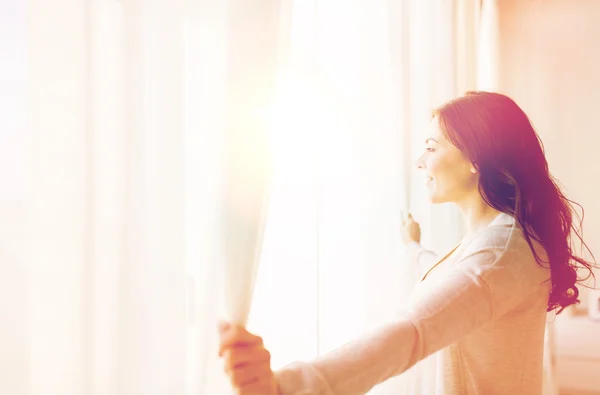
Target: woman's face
449, 176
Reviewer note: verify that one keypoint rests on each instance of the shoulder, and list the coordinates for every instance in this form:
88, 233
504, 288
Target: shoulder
503, 236
503, 252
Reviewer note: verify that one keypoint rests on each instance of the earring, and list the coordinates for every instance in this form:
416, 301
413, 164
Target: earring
473, 170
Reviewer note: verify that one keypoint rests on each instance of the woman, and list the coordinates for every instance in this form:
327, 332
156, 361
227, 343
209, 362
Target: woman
484, 304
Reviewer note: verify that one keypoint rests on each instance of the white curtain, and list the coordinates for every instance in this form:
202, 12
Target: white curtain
240, 47
116, 113
132, 108
106, 197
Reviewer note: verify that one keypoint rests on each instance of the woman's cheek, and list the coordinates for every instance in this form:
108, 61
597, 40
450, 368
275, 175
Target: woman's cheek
433, 165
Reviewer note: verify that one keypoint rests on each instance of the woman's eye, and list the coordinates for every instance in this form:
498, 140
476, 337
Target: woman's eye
429, 149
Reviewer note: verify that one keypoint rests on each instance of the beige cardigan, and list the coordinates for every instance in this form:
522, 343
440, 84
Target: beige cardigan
484, 307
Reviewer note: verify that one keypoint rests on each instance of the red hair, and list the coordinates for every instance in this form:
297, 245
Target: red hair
499, 140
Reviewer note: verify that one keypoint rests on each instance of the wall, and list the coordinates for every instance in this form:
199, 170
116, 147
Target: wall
549, 63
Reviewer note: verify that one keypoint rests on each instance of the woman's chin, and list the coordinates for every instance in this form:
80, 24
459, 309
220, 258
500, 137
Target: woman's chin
436, 199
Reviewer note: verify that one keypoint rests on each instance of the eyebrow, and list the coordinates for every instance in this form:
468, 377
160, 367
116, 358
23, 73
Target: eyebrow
431, 139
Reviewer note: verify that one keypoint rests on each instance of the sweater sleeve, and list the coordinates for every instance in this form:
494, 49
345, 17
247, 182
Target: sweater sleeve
421, 258
443, 314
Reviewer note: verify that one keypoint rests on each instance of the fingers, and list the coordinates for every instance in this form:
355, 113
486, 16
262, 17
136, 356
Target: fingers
247, 362
406, 219
223, 326
235, 335
260, 385
241, 356
250, 374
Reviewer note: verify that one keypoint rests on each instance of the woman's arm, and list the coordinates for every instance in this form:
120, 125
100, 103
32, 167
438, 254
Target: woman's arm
418, 258
355, 367
442, 316
421, 258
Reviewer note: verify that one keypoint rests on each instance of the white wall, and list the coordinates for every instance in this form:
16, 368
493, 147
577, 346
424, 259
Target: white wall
550, 64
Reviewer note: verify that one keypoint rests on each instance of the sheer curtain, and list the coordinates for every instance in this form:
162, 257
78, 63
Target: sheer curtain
117, 108
237, 50
105, 197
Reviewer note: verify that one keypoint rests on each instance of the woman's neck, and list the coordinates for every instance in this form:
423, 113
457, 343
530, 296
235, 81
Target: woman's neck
477, 214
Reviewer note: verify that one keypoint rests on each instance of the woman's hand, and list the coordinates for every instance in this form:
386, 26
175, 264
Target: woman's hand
411, 231
247, 362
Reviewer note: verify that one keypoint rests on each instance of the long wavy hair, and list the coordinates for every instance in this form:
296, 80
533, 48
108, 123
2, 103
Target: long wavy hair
499, 140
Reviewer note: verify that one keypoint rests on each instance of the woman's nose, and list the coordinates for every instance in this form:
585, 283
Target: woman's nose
420, 163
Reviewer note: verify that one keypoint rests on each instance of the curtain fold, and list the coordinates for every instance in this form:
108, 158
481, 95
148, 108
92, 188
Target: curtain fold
136, 324
56, 154
488, 47
254, 35
252, 56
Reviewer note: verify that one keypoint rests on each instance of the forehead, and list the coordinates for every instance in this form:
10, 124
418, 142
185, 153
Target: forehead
435, 131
